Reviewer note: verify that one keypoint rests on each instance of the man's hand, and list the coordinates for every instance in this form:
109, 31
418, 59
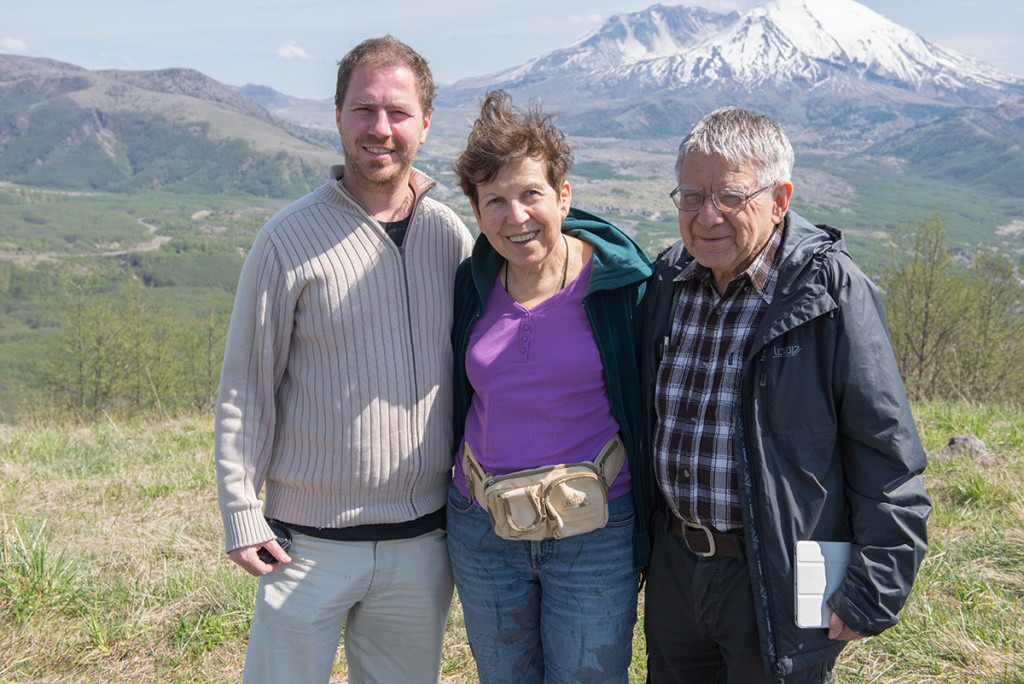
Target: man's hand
248, 559
838, 630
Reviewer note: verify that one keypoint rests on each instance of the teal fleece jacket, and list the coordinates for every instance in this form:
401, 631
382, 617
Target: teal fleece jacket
614, 307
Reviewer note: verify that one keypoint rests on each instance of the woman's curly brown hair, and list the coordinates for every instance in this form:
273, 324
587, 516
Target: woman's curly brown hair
504, 134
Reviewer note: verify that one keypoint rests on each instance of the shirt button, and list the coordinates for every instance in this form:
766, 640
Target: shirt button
686, 474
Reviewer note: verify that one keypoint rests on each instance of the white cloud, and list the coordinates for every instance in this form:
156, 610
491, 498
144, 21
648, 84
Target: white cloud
13, 45
292, 51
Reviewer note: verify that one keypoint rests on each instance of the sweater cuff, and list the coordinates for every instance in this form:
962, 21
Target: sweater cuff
245, 528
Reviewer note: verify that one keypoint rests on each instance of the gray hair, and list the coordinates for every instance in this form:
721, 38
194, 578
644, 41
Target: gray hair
738, 136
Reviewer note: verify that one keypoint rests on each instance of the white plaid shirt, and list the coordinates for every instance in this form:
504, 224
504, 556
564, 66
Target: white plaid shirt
698, 385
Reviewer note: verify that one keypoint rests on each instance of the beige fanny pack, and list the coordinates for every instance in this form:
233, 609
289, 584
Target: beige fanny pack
550, 502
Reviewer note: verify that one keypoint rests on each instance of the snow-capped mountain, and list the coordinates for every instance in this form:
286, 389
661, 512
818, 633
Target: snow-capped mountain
626, 39
813, 63
813, 41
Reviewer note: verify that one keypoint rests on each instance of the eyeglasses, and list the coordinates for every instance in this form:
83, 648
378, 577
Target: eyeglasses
727, 201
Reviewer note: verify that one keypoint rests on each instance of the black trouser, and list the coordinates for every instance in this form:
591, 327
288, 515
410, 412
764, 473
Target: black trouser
699, 620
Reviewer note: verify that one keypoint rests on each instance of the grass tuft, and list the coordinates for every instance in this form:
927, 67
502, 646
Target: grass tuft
38, 578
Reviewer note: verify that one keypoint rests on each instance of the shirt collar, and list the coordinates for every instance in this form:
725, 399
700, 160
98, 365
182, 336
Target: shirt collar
760, 272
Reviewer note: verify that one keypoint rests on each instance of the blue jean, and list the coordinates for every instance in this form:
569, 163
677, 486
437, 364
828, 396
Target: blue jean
557, 610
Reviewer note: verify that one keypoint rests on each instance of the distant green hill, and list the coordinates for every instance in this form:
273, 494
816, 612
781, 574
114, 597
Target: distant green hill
177, 130
982, 149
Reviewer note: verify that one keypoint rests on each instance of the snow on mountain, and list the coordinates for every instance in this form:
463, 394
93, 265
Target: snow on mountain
655, 33
625, 39
812, 41
809, 60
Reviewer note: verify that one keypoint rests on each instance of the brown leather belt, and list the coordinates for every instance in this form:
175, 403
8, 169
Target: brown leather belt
706, 542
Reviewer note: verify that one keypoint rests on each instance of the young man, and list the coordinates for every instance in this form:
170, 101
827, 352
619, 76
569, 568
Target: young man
774, 413
335, 399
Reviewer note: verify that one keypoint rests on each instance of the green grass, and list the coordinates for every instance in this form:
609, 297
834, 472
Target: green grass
111, 566
965, 619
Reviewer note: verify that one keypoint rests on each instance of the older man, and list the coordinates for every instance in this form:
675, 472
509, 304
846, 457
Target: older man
775, 413
336, 399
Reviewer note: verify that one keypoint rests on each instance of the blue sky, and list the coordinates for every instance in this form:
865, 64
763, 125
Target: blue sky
294, 46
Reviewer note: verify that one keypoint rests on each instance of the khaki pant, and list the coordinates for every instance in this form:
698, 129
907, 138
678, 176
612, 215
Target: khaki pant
391, 597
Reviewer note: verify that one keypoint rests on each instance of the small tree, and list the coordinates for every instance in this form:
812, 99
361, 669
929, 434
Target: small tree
990, 352
120, 351
199, 347
81, 374
923, 303
956, 329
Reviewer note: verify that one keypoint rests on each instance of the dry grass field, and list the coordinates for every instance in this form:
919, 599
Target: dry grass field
111, 567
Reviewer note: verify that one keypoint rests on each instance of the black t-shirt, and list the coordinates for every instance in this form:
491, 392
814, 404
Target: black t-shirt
396, 229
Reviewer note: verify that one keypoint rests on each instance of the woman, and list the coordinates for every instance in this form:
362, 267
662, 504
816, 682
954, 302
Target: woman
547, 318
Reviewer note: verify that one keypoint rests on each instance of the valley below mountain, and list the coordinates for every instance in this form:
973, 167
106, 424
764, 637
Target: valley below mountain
888, 129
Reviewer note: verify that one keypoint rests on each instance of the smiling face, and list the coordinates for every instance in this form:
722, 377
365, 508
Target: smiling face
521, 214
382, 125
728, 243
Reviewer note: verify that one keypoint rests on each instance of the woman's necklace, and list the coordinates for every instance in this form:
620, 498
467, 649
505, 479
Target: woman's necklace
565, 270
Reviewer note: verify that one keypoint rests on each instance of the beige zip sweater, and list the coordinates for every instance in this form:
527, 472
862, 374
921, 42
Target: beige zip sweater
335, 393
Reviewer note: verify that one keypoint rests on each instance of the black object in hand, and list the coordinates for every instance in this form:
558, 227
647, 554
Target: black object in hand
284, 539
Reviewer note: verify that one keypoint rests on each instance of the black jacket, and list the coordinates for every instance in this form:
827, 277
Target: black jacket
824, 442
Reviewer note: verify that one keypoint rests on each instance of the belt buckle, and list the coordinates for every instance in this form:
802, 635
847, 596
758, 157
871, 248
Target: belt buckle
712, 548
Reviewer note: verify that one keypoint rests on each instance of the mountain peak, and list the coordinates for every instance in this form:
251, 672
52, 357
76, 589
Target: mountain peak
804, 59
656, 32
624, 39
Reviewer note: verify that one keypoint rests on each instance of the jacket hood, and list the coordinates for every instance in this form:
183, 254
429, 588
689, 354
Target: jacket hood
803, 241
617, 260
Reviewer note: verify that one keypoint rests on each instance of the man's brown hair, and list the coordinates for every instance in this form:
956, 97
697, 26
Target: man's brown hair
384, 52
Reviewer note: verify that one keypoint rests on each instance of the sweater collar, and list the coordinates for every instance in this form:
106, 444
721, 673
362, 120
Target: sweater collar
421, 185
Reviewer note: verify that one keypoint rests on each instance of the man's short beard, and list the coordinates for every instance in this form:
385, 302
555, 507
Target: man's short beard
375, 183
388, 183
